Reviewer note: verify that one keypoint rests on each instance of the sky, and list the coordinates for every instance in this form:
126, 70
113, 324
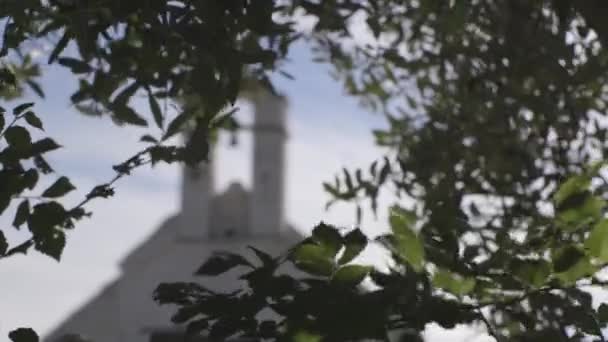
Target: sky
327, 131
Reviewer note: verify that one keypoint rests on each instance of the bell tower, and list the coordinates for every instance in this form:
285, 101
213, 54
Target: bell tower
269, 136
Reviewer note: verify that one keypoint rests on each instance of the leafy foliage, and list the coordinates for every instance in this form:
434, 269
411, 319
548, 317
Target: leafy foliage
333, 300
490, 106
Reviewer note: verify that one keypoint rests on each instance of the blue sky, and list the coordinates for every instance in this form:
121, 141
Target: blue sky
328, 130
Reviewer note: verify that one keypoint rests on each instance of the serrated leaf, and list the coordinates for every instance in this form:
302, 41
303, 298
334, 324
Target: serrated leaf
50, 243
22, 108
313, 259
23, 212
45, 216
33, 120
18, 137
350, 275
61, 187
597, 242
3, 244
23, 335
220, 263
354, 242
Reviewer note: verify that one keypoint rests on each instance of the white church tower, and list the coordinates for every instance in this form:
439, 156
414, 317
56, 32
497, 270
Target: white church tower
269, 135
123, 310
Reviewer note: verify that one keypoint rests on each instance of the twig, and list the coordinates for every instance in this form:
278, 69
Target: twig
491, 331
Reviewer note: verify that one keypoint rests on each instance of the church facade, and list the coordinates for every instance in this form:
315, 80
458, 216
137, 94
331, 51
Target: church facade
124, 311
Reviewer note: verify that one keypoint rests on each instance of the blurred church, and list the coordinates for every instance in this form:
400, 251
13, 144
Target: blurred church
124, 311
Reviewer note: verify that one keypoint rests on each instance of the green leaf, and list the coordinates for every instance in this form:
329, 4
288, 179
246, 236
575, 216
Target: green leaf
531, 272
176, 124
2, 121
23, 335
33, 120
405, 241
567, 257
354, 242
350, 275
23, 212
577, 216
18, 137
597, 242
453, 283
572, 186
77, 66
401, 221
220, 263
61, 187
328, 236
313, 259
3, 244
22, 108
571, 264
583, 268
156, 111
